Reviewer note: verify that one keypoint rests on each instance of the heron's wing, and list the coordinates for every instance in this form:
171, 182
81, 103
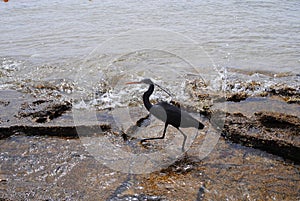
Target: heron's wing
180, 118
188, 121
159, 112
169, 114
173, 115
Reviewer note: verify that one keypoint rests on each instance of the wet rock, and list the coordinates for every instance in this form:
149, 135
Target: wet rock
276, 133
23, 114
181, 166
61, 130
4, 103
45, 168
42, 111
279, 120
45, 85
121, 192
56, 168
48, 87
291, 100
237, 97
201, 192
287, 90
283, 90
137, 198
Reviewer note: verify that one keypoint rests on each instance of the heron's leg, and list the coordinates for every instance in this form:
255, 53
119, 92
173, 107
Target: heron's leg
156, 138
183, 144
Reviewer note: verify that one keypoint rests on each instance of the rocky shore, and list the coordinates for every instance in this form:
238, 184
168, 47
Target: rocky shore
276, 133
257, 156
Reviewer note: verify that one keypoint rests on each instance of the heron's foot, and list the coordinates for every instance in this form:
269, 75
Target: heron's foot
143, 141
145, 144
124, 136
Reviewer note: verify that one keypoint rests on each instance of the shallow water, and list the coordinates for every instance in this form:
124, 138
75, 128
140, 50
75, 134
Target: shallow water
51, 49
56, 168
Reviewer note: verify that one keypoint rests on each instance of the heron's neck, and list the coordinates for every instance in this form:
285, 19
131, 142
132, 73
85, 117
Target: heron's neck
146, 96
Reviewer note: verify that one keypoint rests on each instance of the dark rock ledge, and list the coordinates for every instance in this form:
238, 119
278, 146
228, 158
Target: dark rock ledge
275, 132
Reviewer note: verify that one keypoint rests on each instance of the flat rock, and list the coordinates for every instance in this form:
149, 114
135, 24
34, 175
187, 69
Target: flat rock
24, 114
277, 133
46, 168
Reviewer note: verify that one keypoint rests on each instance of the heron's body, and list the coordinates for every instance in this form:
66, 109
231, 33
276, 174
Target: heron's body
175, 116
168, 113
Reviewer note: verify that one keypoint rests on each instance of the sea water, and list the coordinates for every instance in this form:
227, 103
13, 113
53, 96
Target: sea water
44, 43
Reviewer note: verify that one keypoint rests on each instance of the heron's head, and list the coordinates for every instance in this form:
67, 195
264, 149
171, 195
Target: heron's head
149, 81
145, 81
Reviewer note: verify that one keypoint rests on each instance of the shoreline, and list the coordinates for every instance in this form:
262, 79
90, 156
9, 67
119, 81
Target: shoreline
260, 138
266, 128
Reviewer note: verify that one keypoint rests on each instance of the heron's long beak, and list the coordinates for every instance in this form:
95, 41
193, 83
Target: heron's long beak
133, 83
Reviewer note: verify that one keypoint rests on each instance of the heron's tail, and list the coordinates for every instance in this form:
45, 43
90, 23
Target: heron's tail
200, 126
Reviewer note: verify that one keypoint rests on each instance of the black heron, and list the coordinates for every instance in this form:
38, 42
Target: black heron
167, 113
